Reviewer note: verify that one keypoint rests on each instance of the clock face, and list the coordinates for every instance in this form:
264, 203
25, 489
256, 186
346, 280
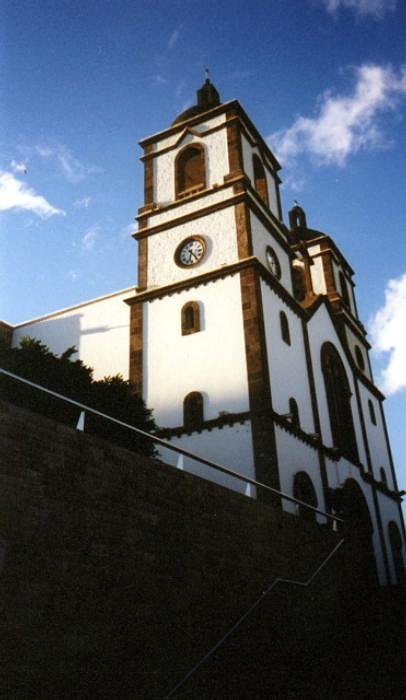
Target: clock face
190, 251
273, 262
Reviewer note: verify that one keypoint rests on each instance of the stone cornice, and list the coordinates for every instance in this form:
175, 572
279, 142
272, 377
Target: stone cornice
186, 130
180, 126
233, 110
154, 209
248, 196
189, 283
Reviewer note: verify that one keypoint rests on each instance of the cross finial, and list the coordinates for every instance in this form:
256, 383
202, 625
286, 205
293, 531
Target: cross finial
206, 72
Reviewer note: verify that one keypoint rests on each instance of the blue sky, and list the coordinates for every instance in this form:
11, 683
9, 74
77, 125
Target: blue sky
323, 80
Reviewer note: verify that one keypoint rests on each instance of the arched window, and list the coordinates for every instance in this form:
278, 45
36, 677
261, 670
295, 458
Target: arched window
339, 402
190, 318
304, 490
294, 410
193, 411
371, 412
360, 358
383, 476
190, 171
299, 283
260, 179
396, 547
344, 290
285, 333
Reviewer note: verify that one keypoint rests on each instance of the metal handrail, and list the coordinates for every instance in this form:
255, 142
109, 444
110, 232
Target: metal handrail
252, 607
180, 450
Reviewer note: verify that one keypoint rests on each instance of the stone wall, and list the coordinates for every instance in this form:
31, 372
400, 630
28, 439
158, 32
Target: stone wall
120, 572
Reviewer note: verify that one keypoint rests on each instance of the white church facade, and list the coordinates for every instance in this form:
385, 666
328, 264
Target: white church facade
242, 334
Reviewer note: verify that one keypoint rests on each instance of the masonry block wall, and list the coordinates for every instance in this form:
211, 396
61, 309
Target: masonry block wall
119, 573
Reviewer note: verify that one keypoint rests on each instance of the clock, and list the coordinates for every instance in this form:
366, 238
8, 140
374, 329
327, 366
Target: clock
190, 252
273, 262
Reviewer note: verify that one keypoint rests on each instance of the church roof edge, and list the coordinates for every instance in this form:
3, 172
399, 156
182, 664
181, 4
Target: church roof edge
58, 312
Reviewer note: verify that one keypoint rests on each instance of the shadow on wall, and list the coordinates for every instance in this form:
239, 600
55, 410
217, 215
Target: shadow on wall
58, 334
87, 335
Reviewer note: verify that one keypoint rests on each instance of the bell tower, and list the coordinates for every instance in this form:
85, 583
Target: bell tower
244, 335
210, 226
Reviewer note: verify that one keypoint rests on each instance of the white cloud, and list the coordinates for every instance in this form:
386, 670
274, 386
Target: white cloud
18, 167
376, 8
345, 124
82, 203
16, 195
388, 331
173, 39
71, 167
89, 238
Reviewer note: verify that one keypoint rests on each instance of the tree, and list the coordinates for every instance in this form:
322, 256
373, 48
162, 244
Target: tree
34, 361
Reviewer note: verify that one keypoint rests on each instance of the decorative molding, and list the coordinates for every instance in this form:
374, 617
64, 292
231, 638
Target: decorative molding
189, 283
220, 422
190, 216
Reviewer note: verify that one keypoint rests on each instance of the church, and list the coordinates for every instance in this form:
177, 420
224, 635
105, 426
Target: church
242, 333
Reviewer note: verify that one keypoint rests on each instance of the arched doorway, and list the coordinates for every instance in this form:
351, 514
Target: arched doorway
351, 505
304, 490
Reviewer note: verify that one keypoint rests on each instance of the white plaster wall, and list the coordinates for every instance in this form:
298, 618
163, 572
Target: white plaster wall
261, 239
100, 329
389, 511
337, 474
211, 361
353, 341
287, 363
230, 446
186, 206
295, 456
247, 153
170, 141
219, 231
216, 159
321, 330
375, 436
317, 274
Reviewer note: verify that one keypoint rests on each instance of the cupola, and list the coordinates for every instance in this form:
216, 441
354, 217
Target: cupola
297, 221
207, 98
